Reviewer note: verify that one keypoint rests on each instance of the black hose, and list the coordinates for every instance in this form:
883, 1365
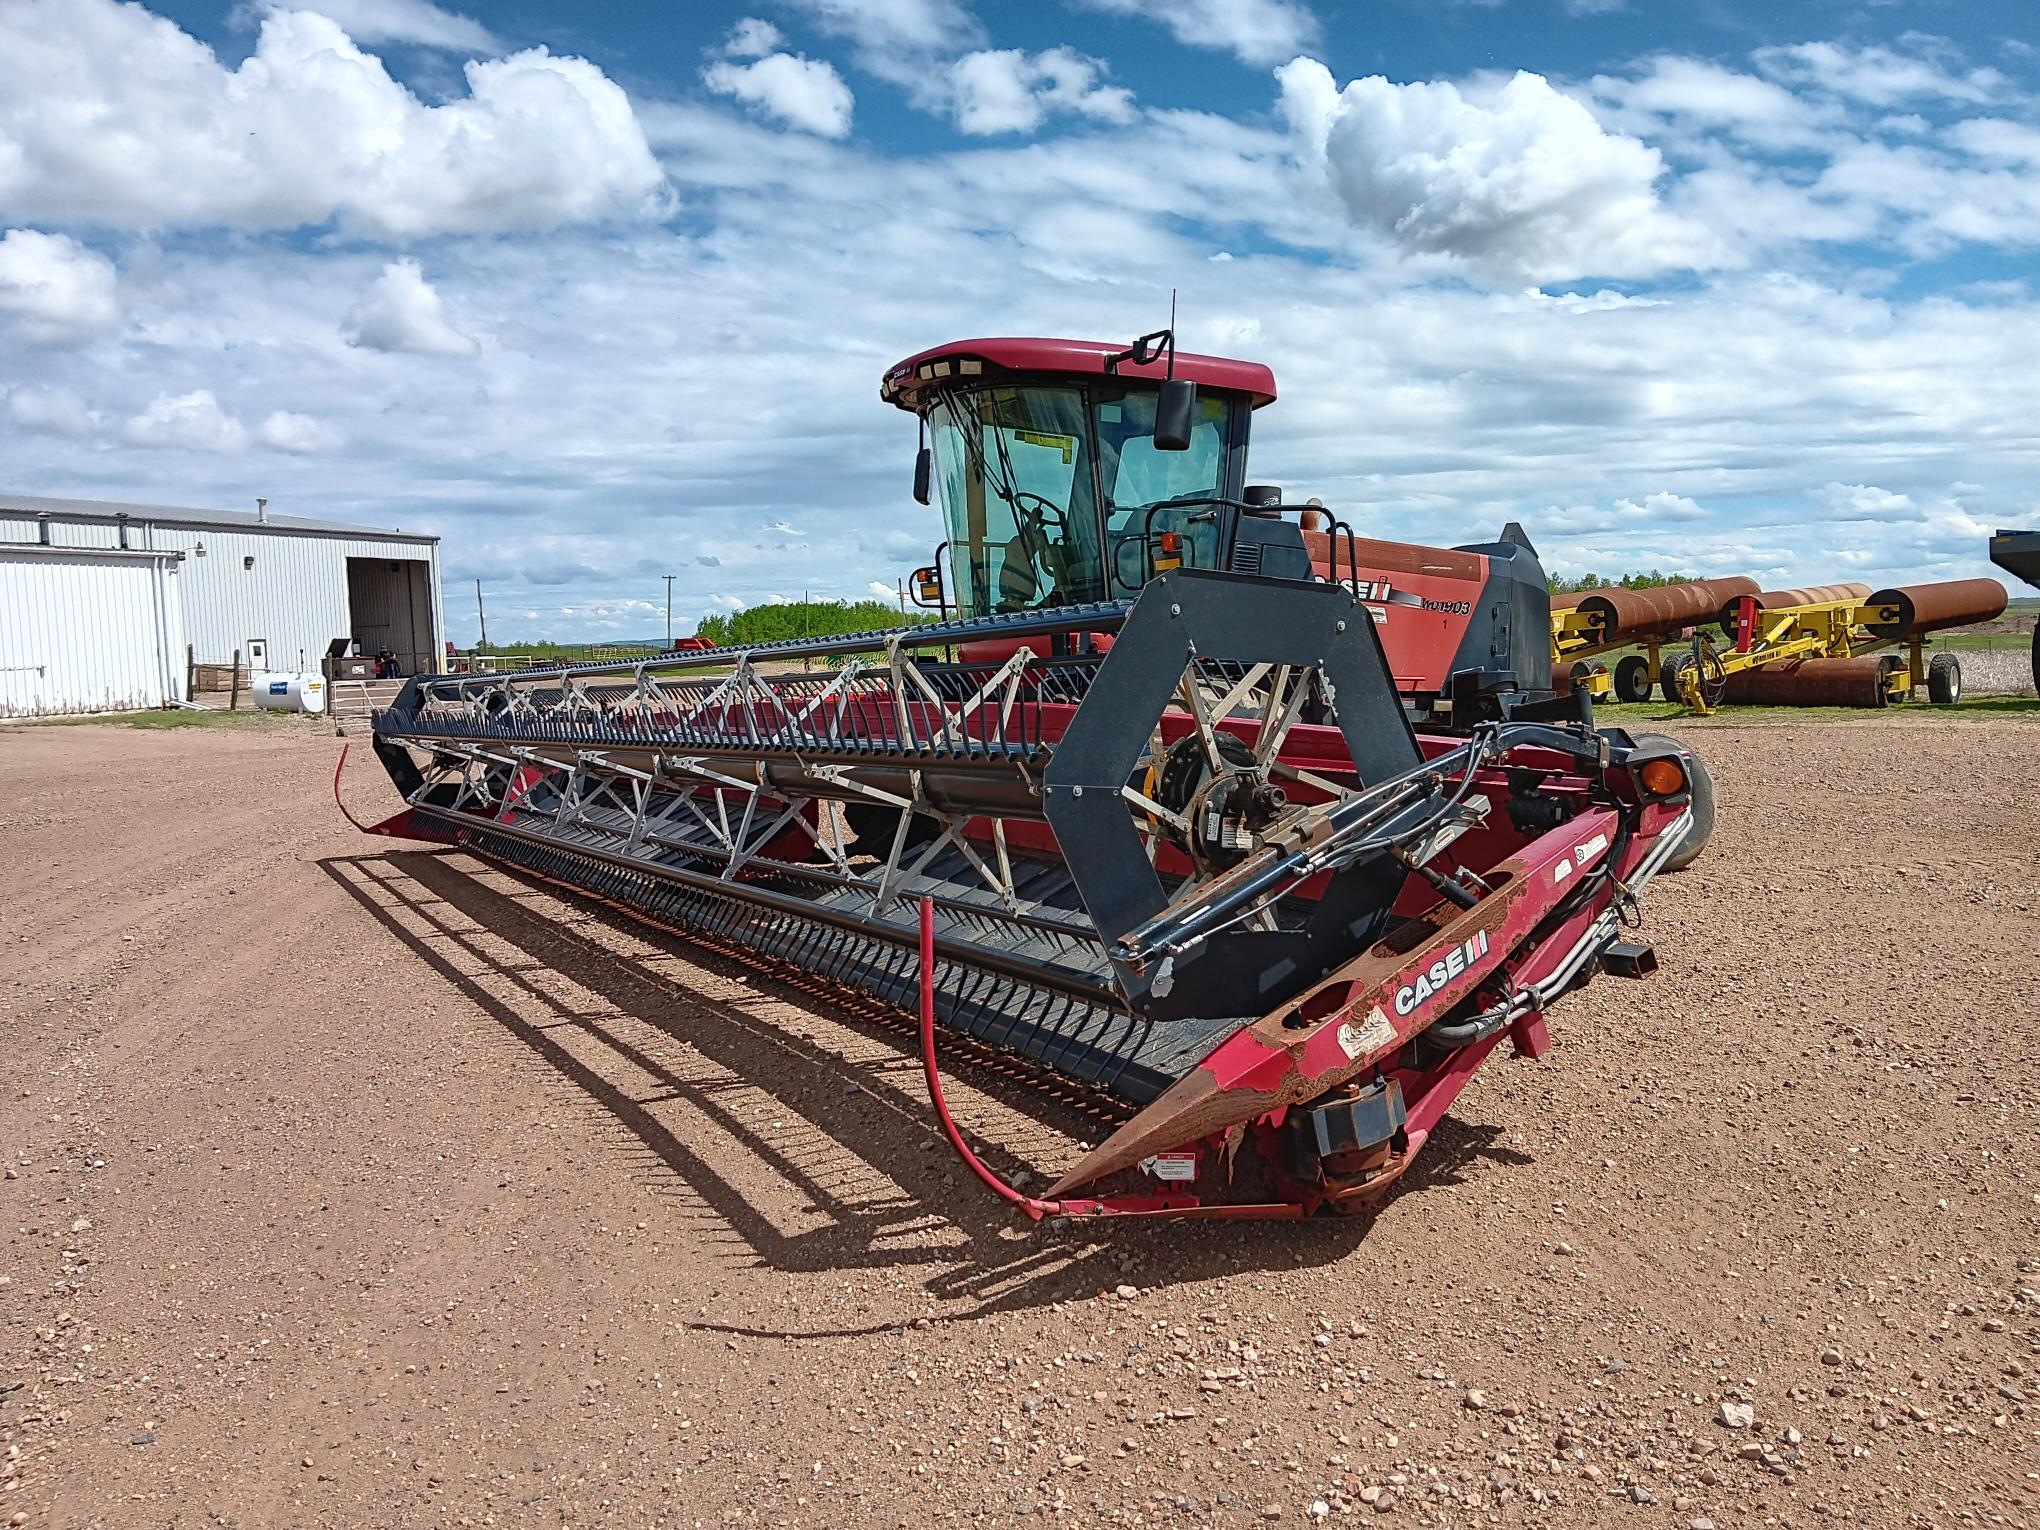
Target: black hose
1453, 1035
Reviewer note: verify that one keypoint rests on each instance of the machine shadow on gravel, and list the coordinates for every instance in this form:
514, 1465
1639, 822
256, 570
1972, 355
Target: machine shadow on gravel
439, 910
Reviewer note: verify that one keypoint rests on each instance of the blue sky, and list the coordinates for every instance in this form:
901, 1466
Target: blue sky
602, 292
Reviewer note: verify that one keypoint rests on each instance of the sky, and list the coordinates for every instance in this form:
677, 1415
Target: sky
602, 292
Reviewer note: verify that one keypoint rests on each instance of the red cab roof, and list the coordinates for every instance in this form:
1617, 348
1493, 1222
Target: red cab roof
905, 383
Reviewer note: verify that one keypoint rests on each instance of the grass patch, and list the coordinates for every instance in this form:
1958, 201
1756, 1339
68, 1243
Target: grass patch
166, 718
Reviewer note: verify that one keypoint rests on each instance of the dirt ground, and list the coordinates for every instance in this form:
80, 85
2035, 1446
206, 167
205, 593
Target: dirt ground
351, 1184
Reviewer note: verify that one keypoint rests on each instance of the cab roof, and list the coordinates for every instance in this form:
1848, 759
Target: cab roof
906, 384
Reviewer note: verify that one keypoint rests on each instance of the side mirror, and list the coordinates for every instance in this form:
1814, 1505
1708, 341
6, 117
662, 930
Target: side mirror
924, 475
1175, 415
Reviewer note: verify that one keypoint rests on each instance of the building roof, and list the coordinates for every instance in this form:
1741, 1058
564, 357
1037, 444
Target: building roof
173, 515
903, 383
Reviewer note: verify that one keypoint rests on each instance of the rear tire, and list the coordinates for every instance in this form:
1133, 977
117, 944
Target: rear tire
1944, 680
2036, 659
1712, 683
1632, 678
1702, 785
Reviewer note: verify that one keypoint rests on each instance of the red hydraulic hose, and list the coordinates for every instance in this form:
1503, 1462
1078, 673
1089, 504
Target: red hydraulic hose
342, 801
1034, 1207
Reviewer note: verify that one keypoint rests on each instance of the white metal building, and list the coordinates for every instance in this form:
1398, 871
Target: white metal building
89, 629
99, 600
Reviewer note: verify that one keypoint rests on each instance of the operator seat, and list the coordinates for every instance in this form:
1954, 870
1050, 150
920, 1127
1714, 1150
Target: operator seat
1019, 583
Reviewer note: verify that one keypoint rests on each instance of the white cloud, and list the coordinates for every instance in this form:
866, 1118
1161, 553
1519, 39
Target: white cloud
55, 290
1255, 31
1699, 94
50, 411
300, 434
753, 37
1880, 76
1866, 502
1563, 523
899, 40
1998, 139
1520, 182
1935, 203
190, 421
801, 92
911, 25
405, 21
112, 116
400, 311
1011, 91
878, 589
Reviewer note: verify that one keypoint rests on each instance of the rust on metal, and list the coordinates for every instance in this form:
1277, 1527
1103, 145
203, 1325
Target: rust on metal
1667, 608
1916, 608
1858, 682
1805, 595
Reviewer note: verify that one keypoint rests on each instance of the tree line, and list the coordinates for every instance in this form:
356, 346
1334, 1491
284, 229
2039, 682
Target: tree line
802, 619
1562, 585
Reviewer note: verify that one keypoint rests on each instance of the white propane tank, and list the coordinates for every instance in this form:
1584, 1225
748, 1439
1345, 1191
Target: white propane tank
282, 691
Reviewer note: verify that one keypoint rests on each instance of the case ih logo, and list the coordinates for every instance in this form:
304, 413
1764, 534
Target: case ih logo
1382, 592
1439, 973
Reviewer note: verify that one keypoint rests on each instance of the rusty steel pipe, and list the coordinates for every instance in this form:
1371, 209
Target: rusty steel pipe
1667, 608
1565, 676
1932, 607
1858, 682
1805, 595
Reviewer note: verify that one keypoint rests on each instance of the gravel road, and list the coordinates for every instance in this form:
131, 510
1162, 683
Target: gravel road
348, 1184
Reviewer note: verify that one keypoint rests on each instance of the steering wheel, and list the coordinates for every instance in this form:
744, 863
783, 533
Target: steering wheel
1040, 521
1041, 531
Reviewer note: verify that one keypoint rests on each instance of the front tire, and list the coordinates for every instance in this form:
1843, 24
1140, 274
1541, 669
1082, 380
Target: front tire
1944, 680
1632, 678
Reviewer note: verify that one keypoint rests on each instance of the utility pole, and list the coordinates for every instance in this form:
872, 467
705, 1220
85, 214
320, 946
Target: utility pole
481, 615
669, 611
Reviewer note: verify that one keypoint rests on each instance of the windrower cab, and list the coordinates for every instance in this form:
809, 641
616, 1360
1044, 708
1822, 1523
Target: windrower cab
1072, 471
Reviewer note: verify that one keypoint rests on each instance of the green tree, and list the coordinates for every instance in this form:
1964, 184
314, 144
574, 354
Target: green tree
784, 620
1561, 585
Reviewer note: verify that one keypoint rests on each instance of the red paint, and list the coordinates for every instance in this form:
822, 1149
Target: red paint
400, 825
1184, 1204
1082, 358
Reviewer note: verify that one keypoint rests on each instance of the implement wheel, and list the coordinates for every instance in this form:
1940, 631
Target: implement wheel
1944, 680
1710, 681
1632, 678
1668, 674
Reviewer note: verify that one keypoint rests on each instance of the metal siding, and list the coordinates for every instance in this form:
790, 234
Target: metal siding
20, 528
438, 614
86, 634
295, 596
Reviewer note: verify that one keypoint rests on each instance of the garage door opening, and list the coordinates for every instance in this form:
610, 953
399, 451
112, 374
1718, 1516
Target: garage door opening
389, 607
